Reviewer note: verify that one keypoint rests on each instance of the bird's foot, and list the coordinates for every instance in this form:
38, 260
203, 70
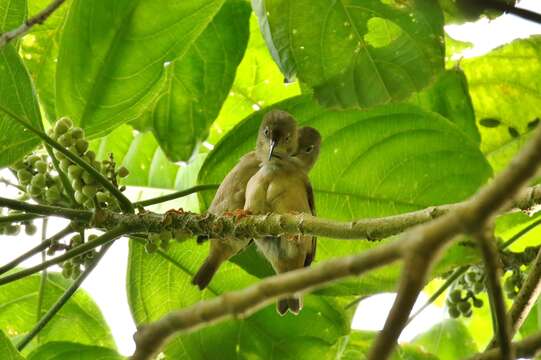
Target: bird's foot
169, 214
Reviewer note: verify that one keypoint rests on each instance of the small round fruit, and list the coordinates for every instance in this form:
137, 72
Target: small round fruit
477, 303
38, 180
151, 248
90, 190
77, 133
456, 295
18, 165
65, 140
60, 128
454, 312
24, 176
77, 184
89, 204
41, 166
52, 194
32, 159
81, 145
64, 165
90, 156
165, 235
34, 191
66, 121
464, 306
123, 172
87, 178
30, 229
80, 197
75, 171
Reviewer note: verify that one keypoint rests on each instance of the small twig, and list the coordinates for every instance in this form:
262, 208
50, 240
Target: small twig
123, 201
72, 214
526, 348
502, 6
18, 218
62, 300
493, 271
43, 282
24, 28
175, 195
525, 300
42, 246
104, 239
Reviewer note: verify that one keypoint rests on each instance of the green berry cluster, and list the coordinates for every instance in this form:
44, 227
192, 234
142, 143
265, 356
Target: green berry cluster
462, 297
514, 282
14, 228
72, 268
88, 192
38, 180
162, 240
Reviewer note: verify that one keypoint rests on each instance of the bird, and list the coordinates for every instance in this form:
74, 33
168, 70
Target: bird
230, 196
281, 186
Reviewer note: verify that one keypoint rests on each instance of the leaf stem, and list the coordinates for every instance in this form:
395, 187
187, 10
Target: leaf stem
62, 300
105, 238
42, 246
175, 195
72, 214
18, 218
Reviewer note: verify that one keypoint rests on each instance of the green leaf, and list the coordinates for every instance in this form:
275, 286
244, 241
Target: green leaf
257, 83
388, 160
12, 14
80, 320
355, 53
68, 350
7, 349
505, 85
449, 339
39, 50
17, 100
358, 345
197, 84
449, 96
112, 56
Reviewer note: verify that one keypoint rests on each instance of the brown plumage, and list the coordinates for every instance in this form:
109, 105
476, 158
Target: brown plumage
230, 196
282, 186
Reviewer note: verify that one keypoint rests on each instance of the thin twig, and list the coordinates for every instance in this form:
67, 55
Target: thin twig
493, 271
72, 214
42, 246
24, 28
43, 280
525, 300
18, 218
104, 239
502, 6
175, 195
62, 300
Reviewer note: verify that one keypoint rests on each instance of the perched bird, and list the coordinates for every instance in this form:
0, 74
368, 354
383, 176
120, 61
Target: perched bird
282, 186
230, 196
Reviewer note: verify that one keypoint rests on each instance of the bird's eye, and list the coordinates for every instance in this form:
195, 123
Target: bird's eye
266, 132
309, 149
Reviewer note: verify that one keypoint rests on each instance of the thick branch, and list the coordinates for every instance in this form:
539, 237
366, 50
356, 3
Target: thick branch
24, 28
18, 218
72, 214
493, 270
526, 348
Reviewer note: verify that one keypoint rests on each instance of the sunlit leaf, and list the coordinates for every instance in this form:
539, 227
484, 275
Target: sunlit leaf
505, 85
355, 53
70, 350
449, 340
7, 349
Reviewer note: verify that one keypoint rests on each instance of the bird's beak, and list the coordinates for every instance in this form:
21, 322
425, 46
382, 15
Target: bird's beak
272, 146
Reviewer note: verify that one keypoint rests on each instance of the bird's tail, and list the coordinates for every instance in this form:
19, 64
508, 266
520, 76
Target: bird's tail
206, 272
293, 304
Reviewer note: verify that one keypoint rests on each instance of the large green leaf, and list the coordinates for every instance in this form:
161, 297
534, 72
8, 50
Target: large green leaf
355, 53
17, 100
12, 14
391, 159
449, 339
449, 96
113, 56
79, 320
39, 50
7, 350
257, 83
505, 86
68, 350
197, 84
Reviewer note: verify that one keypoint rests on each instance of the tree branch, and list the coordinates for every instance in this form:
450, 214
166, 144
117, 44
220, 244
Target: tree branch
39, 18
18, 218
42, 246
72, 214
526, 348
175, 195
419, 245
508, 8
62, 300
493, 271
104, 239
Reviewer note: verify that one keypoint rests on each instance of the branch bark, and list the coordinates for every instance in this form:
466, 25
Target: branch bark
72, 214
24, 28
526, 348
